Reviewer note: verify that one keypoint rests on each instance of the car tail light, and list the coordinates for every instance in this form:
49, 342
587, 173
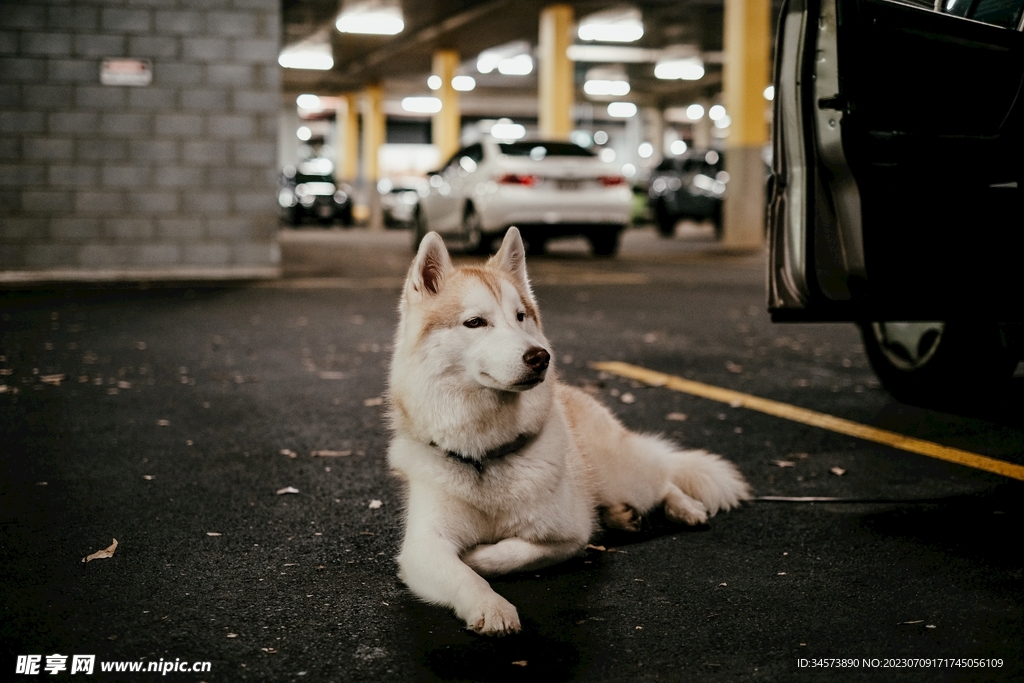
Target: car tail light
612, 180
518, 179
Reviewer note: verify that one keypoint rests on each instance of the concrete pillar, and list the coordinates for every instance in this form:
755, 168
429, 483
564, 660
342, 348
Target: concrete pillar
287, 142
347, 154
557, 89
446, 126
747, 53
374, 125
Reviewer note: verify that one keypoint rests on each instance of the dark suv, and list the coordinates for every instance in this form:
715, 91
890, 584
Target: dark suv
689, 187
314, 196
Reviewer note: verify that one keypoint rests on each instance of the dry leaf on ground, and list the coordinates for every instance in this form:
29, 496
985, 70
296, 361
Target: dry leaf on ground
55, 380
784, 463
838, 471
331, 454
213, 533
286, 489
627, 398
289, 452
374, 504
102, 554
590, 546
149, 477
163, 423
376, 401
677, 417
733, 367
521, 662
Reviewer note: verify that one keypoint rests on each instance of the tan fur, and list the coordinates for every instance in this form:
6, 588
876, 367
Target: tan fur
471, 390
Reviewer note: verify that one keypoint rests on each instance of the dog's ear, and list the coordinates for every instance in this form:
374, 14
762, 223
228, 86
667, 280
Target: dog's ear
511, 258
430, 266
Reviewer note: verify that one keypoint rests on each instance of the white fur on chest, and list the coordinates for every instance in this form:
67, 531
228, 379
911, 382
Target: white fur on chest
538, 493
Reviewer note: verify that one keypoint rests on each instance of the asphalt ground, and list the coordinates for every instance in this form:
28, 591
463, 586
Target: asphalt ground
169, 418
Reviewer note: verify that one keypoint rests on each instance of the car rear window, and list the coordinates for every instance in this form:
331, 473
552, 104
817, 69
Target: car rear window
543, 149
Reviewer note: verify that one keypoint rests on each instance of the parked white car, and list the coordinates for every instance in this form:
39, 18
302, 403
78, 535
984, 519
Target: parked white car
547, 189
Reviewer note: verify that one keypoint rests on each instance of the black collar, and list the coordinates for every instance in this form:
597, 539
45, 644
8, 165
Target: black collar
501, 451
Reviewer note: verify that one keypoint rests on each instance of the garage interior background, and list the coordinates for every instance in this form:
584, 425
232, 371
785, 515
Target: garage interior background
175, 176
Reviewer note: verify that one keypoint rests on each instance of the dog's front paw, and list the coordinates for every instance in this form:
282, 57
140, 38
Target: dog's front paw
497, 617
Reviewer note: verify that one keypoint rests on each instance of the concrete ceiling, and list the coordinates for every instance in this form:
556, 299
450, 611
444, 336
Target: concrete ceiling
403, 62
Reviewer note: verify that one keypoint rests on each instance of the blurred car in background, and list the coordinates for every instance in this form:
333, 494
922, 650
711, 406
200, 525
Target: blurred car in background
690, 187
310, 192
548, 189
398, 199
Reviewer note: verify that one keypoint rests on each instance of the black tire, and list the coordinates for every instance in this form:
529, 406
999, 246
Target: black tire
419, 229
605, 242
666, 222
716, 220
474, 239
938, 363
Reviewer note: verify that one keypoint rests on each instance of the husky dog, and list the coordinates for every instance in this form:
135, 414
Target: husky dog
507, 469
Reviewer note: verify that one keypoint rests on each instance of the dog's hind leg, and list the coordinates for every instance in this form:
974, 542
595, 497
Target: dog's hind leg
683, 509
621, 516
693, 485
516, 554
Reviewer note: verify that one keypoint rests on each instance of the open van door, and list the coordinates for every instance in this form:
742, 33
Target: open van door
896, 198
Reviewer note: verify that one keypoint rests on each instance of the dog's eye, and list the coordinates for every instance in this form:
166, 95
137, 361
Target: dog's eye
520, 316
475, 322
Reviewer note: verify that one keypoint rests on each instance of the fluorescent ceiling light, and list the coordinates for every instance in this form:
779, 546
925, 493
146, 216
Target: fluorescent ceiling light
606, 88
303, 133
308, 101
312, 56
687, 69
434, 82
695, 112
716, 112
520, 65
421, 105
622, 25
678, 147
621, 110
463, 83
372, 18
769, 93
645, 150
611, 53
506, 130
491, 58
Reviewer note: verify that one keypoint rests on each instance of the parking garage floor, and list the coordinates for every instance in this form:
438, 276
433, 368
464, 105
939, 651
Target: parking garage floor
173, 418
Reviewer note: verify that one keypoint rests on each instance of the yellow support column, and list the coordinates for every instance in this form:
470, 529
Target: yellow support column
746, 74
373, 139
348, 137
557, 89
446, 126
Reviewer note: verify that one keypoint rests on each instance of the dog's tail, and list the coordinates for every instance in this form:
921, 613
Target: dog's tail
696, 474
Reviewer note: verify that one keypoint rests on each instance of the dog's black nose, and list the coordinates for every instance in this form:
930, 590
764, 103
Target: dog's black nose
537, 359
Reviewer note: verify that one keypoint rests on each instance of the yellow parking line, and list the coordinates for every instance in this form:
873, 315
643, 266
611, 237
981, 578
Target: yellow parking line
815, 419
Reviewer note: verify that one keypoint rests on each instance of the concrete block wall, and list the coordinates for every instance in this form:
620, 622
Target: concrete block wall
173, 180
